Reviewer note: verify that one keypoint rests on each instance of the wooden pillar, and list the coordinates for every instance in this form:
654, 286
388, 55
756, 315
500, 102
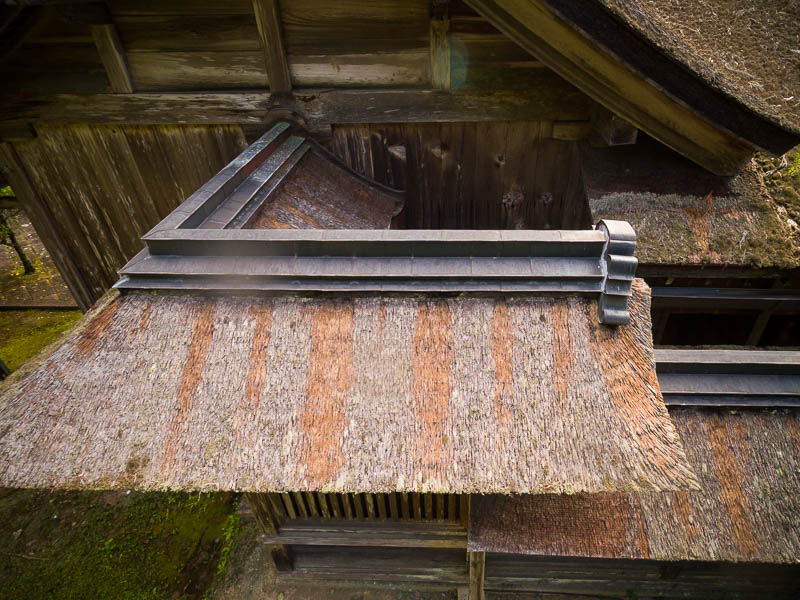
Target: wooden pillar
270, 521
46, 227
477, 565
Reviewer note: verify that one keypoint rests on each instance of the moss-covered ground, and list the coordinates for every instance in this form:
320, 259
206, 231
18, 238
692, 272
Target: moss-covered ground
112, 545
24, 332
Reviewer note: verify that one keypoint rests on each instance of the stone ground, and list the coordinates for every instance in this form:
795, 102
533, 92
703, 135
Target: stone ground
42, 288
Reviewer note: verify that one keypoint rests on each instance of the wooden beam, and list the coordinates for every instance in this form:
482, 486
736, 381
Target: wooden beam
317, 106
268, 19
545, 35
9, 203
477, 566
109, 46
440, 45
609, 129
45, 226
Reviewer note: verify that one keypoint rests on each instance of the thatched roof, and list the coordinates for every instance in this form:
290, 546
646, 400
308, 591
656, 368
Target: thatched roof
684, 215
747, 49
746, 509
449, 394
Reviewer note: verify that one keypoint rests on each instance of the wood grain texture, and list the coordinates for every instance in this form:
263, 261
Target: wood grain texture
746, 509
112, 54
405, 406
507, 175
107, 185
268, 20
46, 226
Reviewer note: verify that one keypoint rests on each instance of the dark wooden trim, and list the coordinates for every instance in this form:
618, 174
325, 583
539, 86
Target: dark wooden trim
267, 13
537, 28
270, 524
109, 46
45, 226
319, 107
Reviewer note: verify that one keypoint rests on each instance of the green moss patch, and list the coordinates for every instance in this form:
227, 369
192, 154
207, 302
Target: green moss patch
112, 545
24, 332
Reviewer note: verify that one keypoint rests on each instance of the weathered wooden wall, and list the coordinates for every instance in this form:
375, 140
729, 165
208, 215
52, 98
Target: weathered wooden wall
178, 45
505, 175
102, 187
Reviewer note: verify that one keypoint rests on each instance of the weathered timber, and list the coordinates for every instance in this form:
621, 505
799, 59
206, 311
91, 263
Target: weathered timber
268, 19
138, 175
47, 228
436, 568
472, 175
410, 374
112, 54
539, 29
269, 522
373, 533
477, 568
440, 47
323, 106
555, 578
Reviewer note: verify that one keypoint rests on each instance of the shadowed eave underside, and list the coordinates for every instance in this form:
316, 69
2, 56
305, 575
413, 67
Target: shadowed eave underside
745, 510
459, 394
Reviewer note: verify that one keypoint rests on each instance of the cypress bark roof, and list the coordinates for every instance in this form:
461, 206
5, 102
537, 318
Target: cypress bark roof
745, 510
449, 394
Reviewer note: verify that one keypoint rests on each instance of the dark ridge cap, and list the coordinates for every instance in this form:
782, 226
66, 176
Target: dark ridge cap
607, 29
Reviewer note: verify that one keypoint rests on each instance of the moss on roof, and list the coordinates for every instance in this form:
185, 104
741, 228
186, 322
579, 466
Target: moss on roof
684, 215
748, 49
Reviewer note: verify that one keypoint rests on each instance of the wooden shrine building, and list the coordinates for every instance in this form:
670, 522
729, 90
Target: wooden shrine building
482, 296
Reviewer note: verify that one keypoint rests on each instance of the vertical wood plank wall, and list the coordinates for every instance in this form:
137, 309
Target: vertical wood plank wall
107, 185
390, 506
503, 175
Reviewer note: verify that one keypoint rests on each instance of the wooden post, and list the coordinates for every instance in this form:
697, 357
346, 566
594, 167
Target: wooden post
268, 20
440, 45
477, 565
109, 46
270, 524
45, 226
